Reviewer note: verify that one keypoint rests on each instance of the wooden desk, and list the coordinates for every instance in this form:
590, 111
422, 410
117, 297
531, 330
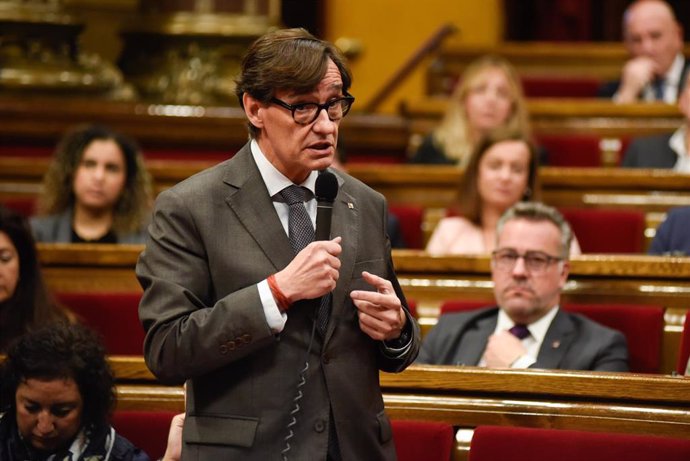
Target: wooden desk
549, 116
184, 131
428, 280
467, 397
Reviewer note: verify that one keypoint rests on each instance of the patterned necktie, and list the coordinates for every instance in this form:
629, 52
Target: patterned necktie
520, 331
301, 234
300, 228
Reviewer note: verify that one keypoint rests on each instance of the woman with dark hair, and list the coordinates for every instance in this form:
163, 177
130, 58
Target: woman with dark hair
57, 395
502, 171
25, 302
96, 190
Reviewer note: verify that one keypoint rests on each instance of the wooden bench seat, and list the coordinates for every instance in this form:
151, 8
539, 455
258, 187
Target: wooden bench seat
594, 279
467, 397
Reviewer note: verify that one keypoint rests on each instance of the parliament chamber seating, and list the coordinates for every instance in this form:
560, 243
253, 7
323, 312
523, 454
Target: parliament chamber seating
582, 150
600, 230
410, 218
422, 440
147, 430
684, 353
115, 316
492, 443
642, 327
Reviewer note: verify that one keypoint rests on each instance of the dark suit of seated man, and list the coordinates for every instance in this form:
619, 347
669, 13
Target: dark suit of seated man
527, 329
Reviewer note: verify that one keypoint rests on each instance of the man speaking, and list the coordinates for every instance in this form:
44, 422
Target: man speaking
278, 336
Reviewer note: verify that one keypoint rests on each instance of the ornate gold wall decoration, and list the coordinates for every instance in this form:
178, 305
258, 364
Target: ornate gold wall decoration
39, 54
190, 52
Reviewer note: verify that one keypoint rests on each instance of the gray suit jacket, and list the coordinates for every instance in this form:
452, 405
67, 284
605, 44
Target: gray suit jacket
650, 152
58, 229
572, 342
216, 235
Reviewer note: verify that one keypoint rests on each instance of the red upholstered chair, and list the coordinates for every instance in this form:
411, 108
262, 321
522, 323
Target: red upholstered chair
462, 305
422, 440
643, 327
607, 230
147, 430
114, 315
412, 304
25, 206
578, 150
491, 443
684, 353
411, 217
560, 87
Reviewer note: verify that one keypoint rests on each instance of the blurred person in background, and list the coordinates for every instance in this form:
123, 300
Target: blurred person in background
96, 190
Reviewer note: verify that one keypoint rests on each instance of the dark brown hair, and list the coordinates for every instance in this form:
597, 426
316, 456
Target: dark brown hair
31, 305
132, 209
469, 203
287, 59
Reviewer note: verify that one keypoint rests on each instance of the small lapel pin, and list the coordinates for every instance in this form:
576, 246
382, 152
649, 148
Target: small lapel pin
556, 344
351, 205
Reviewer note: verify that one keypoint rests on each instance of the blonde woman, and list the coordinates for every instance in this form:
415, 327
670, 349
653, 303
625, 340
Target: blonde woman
96, 190
489, 96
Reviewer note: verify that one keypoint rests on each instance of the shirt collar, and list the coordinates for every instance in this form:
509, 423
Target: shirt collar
275, 180
537, 329
672, 77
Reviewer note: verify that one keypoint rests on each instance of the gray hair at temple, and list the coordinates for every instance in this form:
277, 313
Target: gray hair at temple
538, 212
287, 59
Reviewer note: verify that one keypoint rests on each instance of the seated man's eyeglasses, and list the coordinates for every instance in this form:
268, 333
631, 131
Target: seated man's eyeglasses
307, 112
535, 261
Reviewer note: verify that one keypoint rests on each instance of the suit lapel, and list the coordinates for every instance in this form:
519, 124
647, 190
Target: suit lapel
556, 343
248, 197
475, 338
344, 223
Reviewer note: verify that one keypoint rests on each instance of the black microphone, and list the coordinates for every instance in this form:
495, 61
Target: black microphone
325, 190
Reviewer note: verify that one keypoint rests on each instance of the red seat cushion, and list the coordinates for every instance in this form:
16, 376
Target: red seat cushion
147, 430
410, 217
25, 206
461, 305
601, 230
684, 353
491, 443
643, 327
114, 315
422, 440
560, 87
577, 150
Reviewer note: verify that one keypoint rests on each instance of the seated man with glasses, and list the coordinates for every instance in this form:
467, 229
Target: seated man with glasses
527, 329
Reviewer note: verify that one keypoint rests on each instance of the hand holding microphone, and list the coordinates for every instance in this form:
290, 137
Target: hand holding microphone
315, 270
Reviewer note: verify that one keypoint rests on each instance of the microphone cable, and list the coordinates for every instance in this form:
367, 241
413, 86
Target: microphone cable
300, 384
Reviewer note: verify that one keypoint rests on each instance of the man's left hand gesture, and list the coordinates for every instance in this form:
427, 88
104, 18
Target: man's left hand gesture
381, 315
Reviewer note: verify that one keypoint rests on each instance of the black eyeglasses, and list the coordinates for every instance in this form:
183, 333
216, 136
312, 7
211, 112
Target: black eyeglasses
307, 112
535, 261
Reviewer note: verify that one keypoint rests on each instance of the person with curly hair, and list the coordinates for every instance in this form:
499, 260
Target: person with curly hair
57, 395
96, 190
25, 301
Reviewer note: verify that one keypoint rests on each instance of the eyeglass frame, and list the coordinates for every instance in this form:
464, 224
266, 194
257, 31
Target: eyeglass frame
525, 258
293, 107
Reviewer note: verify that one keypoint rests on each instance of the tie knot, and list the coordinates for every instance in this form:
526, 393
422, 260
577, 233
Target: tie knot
520, 331
294, 194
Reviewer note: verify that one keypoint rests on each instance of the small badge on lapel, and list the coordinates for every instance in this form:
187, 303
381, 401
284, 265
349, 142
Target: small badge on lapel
351, 205
556, 344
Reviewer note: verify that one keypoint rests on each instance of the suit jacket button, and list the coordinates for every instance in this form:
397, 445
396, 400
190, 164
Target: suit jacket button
231, 345
319, 425
247, 338
223, 349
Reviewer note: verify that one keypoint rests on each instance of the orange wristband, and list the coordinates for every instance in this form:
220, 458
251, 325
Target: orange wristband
281, 299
